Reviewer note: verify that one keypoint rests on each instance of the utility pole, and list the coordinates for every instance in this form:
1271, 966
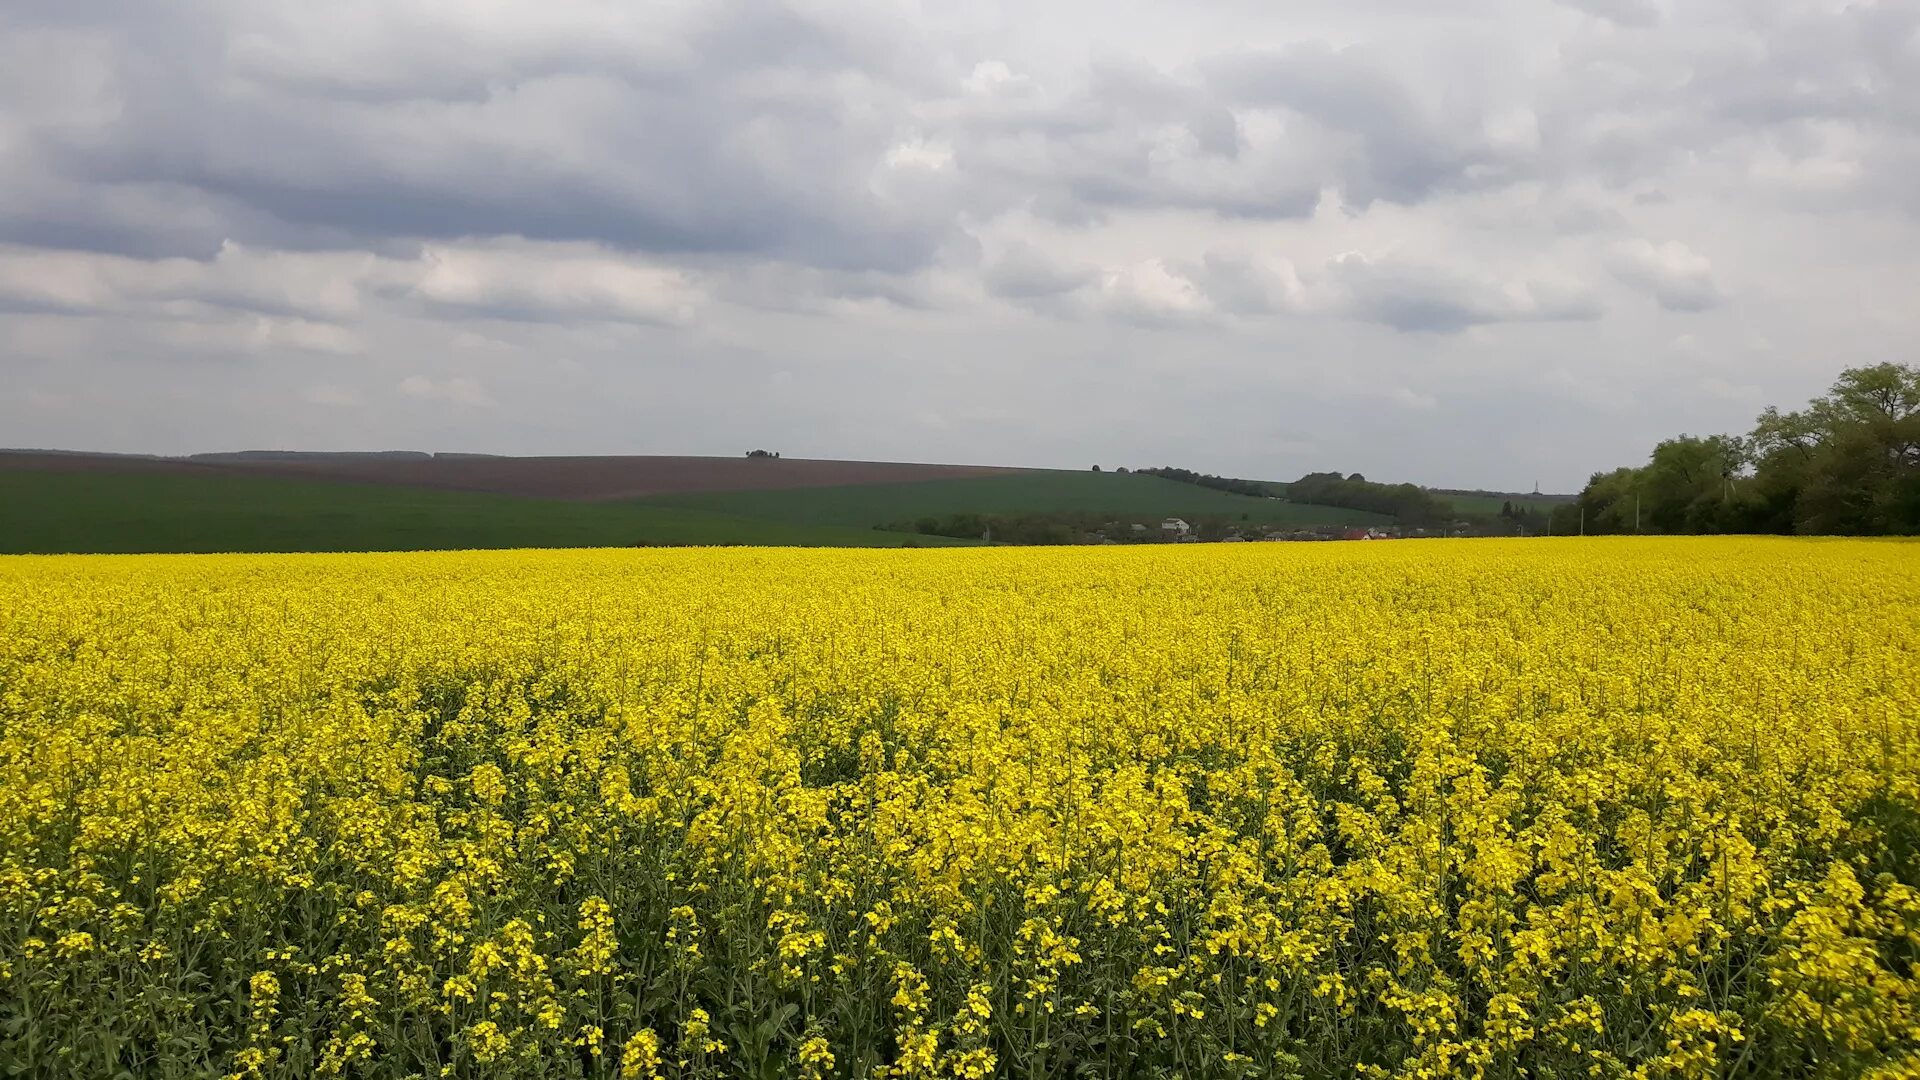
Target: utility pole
1636, 512
1583, 521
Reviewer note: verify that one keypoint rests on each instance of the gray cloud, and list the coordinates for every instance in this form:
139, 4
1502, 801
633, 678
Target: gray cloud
1248, 285
1405, 295
878, 229
545, 284
1679, 278
755, 131
1024, 273
515, 280
743, 129
1414, 297
1387, 141
1624, 12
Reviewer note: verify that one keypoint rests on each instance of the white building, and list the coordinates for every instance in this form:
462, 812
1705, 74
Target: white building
1175, 526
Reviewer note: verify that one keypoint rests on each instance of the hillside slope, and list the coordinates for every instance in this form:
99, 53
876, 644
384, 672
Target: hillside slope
1029, 492
583, 478
159, 511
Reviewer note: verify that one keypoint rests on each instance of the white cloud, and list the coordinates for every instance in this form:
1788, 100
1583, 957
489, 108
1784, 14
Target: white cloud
329, 395
919, 153
1408, 398
1023, 273
456, 389
1414, 296
1672, 273
1149, 292
518, 281
990, 77
267, 333
1408, 295
505, 279
1250, 284
1146, 292
626, 219
324, 285
1625, 12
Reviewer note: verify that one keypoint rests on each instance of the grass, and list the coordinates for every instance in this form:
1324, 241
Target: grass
1125, 495
59, 512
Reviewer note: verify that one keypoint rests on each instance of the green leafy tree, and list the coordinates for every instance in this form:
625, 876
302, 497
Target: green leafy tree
1688, 485
1604, 506
1864, 474
1848, 463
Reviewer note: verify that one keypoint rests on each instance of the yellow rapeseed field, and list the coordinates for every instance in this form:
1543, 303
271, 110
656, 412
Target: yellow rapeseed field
1552, 808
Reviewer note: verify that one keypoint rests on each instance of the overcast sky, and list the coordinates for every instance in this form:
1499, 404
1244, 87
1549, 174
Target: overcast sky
1477, 243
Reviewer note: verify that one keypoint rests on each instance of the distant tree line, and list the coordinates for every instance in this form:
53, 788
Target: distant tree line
1524, 519
1006, 528
1408, 504
1847, 464
1205, 480
1485, 493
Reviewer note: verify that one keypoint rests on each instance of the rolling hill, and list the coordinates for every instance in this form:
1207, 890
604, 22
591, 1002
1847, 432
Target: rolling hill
588, 479
97, 511
1128, 495
274, 501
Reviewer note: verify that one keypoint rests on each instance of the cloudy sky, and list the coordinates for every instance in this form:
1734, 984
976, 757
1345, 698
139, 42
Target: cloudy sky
1481, 242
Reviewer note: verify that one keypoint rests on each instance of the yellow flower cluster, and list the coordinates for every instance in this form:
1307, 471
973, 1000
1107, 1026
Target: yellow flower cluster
1573, 808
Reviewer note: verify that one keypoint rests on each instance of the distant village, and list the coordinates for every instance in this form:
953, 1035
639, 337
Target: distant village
1180, 531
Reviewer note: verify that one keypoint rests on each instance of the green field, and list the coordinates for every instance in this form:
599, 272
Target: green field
1125, 495
53, 512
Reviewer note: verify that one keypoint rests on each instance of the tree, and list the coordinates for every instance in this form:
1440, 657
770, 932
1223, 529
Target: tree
1207, 480
1880, 397
1848, 463
1687, 485
1605, 505
1410, 505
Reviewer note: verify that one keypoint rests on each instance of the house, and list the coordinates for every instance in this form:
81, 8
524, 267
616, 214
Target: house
1175, 526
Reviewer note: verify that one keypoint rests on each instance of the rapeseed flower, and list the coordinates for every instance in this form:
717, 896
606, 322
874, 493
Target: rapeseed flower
1609, 807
